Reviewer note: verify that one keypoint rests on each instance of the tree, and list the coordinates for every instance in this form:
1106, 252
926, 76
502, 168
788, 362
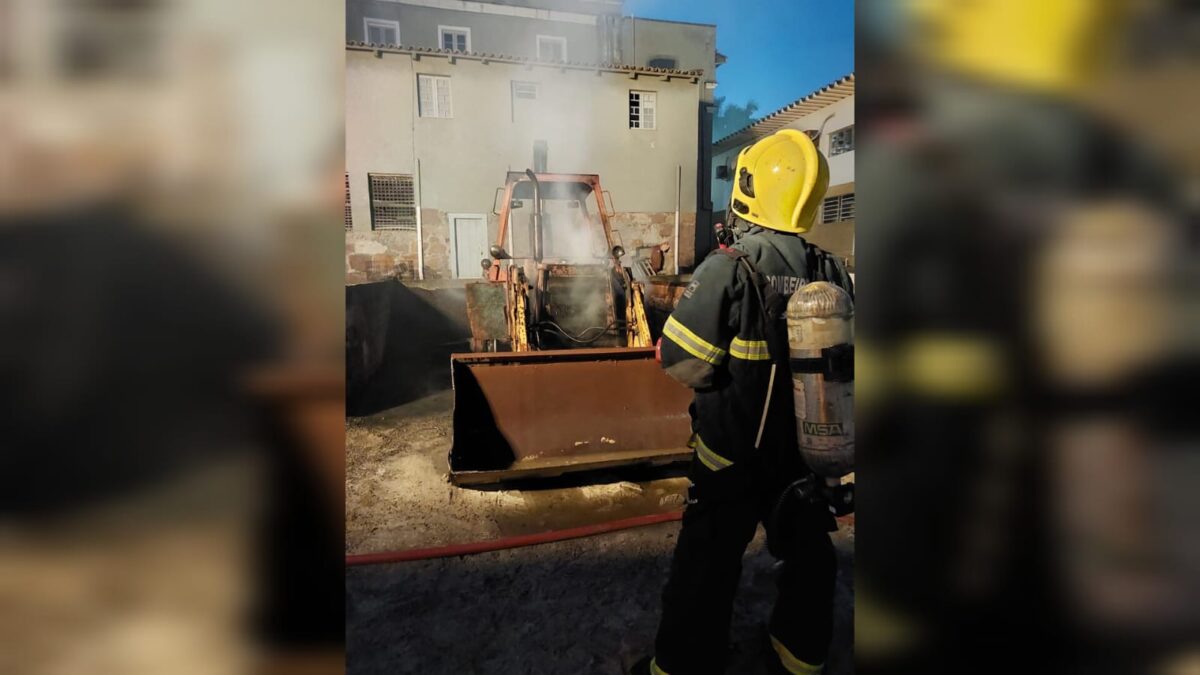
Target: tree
732, 117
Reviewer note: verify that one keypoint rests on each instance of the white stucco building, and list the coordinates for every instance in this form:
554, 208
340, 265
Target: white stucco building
443, 98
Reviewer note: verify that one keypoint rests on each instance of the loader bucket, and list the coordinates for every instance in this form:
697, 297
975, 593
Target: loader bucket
546, 413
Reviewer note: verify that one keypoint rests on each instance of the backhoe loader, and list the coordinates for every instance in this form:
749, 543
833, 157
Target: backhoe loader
563, 376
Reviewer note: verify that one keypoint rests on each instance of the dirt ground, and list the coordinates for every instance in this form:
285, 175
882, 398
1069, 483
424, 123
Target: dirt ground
580, 606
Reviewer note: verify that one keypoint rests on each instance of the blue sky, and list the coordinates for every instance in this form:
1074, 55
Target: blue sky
778, 50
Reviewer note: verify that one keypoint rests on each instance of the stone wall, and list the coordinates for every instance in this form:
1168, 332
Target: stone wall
392, 254
646, 230
376, 255
435, 232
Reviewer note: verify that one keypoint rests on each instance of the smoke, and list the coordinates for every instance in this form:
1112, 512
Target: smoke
572, 231
571, 235
563, 116
560, 117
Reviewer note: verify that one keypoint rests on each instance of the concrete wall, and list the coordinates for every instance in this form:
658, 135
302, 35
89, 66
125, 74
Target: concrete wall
582, 115
594, 30
491, 32
693, 46
614, 7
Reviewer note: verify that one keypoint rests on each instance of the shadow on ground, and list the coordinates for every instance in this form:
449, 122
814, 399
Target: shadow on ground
582, 606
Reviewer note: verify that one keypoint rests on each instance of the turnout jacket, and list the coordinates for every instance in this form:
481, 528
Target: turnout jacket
716, 342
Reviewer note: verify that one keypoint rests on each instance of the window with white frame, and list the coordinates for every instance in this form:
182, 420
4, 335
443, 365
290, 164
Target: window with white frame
643, 113
381, 31
551, 48
841, 141
433, 96
524, 101
393, 201
455, 38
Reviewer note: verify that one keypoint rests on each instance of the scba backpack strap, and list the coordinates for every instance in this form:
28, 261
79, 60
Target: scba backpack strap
820, 267
772, 302
823, 266
774, 308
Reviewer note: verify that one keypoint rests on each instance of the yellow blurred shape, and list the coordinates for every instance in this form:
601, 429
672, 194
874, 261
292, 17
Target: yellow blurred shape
1053, 45
951, 365
872, 374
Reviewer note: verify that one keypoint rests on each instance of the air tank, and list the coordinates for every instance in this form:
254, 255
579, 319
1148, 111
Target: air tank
820, 323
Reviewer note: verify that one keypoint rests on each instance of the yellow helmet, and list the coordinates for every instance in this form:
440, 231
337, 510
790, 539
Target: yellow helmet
1042, 44
779, 182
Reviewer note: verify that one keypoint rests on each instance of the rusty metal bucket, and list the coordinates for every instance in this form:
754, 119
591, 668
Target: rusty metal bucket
545, 413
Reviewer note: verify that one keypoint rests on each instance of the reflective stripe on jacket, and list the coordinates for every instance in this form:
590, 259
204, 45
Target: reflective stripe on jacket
715, 343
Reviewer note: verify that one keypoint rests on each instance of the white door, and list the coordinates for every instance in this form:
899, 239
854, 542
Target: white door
470, 244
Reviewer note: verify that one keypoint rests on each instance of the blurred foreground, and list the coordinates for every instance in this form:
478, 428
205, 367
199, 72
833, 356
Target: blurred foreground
1028, 463
171, 479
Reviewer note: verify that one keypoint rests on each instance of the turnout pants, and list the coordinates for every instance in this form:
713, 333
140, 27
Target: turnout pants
698, 599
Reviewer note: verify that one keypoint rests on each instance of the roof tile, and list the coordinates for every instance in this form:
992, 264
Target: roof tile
802, 106
618, 67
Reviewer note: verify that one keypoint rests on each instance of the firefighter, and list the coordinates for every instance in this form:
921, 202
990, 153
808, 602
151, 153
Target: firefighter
721, 341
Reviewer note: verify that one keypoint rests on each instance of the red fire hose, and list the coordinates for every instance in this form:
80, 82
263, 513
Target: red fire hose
510, 542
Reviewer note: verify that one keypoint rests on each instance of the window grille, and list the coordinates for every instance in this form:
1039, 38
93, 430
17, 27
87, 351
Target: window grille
393, 201
349, 217
837, 209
